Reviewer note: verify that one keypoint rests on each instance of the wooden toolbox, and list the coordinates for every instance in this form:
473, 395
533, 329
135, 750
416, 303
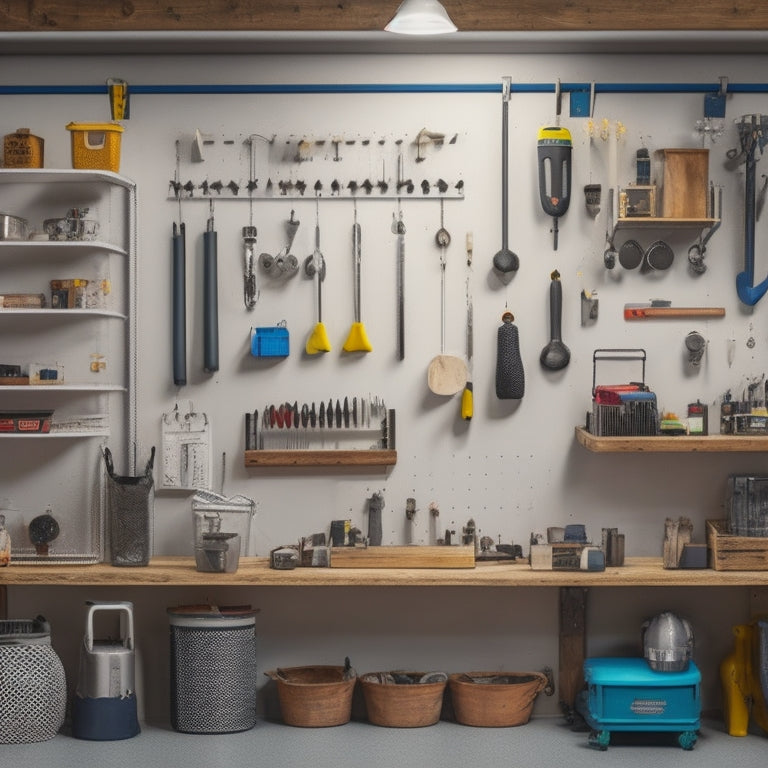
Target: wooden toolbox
735, 553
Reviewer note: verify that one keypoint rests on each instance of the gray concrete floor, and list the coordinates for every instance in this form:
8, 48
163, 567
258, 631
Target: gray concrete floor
542, 743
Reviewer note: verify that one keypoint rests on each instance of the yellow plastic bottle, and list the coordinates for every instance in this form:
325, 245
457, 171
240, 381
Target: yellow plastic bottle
735, 678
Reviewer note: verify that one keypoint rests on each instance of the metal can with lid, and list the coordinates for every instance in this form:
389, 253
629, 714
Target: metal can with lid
213, 668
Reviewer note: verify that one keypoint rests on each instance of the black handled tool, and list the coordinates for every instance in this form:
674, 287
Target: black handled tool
179, 306
554, 151
210, 299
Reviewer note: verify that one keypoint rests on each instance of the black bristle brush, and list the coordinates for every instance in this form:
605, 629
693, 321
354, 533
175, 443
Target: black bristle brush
510, 376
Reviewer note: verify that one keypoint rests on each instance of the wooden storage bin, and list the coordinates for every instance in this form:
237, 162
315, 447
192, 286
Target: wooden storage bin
481, 701
686, 181
314, 697
402, 705
735, 553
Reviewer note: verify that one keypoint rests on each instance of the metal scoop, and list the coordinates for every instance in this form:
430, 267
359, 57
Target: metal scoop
555, 355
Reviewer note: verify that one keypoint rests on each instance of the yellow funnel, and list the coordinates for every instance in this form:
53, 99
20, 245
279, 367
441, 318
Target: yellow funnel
318, 340
357, 340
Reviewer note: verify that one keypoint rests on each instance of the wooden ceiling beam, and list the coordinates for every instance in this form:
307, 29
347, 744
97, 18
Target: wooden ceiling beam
372, 15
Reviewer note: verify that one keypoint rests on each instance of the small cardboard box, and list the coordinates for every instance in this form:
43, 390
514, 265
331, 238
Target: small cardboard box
96, 146
735, 553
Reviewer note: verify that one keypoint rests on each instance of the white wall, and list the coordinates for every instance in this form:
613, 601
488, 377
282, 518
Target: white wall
515, 468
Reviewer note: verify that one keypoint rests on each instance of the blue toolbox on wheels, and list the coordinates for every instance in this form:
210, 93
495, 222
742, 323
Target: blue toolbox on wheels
626, 695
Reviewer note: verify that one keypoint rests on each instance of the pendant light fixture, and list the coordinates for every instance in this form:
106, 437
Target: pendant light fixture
421, 17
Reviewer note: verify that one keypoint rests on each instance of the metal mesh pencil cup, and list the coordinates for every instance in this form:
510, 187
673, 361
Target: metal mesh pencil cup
213, 669
130, 504
33, 689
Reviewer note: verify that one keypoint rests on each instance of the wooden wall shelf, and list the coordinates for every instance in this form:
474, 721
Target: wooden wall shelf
169, 571
676, 444
659, 222
329, 458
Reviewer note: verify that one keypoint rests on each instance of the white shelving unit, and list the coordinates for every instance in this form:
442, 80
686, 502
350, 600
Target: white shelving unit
94, 349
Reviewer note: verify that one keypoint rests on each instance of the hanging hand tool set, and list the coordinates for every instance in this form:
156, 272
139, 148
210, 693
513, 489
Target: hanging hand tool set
363, 423
416, 169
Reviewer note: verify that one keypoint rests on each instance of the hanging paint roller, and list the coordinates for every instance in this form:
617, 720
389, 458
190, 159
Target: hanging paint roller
357, 340
554, 151
510, 376
318, 340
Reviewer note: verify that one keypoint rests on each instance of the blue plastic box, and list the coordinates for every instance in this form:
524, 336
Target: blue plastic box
270, 342
625, 694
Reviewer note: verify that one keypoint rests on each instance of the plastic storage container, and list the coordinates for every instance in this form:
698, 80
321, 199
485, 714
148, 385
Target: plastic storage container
225, 514
213, 668
747, 504
33, 688
96, 146
625, 694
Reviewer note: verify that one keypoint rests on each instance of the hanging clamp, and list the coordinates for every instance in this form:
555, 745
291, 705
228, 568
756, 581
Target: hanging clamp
714, 103
506, 88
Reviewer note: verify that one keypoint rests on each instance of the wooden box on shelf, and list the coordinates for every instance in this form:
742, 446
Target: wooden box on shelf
735, 553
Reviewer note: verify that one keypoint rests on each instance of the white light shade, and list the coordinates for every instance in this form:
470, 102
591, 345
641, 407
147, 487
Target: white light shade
421, 17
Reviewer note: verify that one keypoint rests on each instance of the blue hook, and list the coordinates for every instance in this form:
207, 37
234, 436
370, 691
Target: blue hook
753, 133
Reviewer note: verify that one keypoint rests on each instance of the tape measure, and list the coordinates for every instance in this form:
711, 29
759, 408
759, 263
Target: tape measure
554, 148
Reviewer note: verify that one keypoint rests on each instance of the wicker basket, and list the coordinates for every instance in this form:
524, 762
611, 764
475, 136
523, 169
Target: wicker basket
315, 697
401, 705
495, 699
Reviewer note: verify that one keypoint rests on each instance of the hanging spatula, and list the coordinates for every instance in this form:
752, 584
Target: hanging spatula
357, 339
318, 340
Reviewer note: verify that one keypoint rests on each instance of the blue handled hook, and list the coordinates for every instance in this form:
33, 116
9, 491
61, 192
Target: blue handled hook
753, 134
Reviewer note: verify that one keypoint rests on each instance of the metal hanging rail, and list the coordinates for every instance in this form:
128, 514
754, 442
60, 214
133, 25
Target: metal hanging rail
358, 88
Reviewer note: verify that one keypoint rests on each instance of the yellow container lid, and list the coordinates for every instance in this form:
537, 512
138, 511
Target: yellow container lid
95, 127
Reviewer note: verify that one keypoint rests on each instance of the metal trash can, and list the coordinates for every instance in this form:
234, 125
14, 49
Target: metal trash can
213, 668
33, 688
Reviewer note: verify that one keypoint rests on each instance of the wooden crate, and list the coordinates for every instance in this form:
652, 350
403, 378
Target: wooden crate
403, 557
686, 183
735, 553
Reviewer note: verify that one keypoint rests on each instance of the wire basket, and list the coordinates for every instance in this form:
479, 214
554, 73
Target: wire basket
130, 503
622, 409
33, 688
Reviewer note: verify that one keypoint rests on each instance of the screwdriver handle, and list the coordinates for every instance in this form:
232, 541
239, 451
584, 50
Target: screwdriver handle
467, 402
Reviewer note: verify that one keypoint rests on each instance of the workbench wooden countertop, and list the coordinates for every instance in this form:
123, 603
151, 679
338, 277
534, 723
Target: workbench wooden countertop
255, 572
